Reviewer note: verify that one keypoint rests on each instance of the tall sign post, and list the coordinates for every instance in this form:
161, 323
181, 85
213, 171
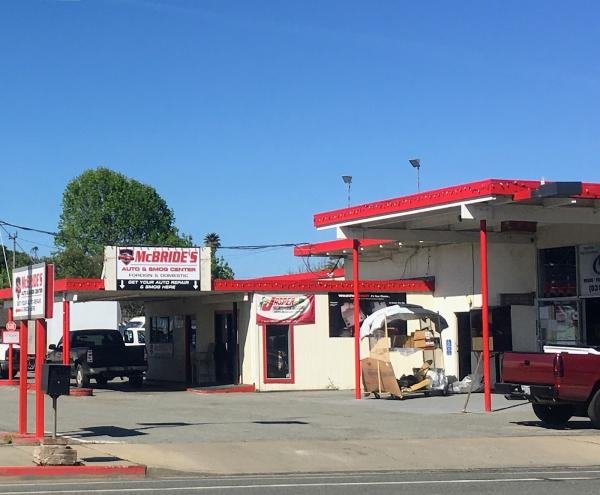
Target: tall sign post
33, 299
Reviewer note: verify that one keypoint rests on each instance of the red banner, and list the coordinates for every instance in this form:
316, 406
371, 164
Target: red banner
285, 309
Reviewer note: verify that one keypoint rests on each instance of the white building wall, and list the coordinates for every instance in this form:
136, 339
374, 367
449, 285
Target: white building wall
456, 268
320, 362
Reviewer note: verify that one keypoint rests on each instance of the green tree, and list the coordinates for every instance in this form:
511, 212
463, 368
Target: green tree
219, 267
21, 259
101, 208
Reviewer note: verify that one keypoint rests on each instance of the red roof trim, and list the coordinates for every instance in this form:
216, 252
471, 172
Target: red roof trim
436, 197
324, 285
332, 246
316, 275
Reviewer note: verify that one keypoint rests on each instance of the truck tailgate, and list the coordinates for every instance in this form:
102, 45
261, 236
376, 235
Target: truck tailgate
535, 368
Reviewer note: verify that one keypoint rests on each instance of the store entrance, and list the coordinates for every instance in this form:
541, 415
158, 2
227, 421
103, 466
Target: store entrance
464, 344
225, 348
592, 321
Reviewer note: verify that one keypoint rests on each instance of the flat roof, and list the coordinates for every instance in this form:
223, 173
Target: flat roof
515, 190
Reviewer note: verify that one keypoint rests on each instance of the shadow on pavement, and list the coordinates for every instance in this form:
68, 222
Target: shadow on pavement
571, 425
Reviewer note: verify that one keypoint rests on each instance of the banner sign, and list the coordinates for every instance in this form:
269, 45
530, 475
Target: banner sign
285, 309
589, 271
158, 268
341, 309
29, 292
9, 337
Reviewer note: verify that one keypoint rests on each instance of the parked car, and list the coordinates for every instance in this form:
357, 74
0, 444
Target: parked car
102, 355
4, 360
559, 384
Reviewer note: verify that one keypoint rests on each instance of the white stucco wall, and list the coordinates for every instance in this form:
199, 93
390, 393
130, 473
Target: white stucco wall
320, 362
456, 268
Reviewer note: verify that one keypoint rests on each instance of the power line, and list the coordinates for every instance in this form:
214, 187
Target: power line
31, 229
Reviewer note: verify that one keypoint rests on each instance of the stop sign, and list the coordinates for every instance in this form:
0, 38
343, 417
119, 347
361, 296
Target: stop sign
11, 326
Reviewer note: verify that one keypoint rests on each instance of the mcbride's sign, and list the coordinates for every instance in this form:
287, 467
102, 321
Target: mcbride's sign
32, 286
158, 268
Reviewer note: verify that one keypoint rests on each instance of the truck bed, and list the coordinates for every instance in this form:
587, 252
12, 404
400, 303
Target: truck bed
528, 368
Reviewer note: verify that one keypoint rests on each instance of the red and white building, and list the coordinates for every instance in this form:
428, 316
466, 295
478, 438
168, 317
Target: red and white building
542, 247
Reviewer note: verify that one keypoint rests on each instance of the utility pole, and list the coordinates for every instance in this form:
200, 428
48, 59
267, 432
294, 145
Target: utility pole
13, 237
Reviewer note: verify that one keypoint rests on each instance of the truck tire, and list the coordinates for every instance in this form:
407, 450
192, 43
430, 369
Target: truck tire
136, 381
82, 379
553, 415
594, 409
101, 380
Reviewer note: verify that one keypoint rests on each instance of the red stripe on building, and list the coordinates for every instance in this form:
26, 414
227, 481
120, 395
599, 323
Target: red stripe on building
413, 285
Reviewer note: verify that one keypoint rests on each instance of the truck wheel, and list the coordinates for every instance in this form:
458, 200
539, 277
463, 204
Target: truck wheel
81, 377
594, 409
136, 381
101, 380
553, 415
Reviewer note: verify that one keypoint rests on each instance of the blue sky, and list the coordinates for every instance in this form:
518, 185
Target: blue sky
245, 114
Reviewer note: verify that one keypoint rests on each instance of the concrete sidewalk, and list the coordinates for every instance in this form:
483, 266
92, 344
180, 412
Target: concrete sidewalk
340, 456
17, 460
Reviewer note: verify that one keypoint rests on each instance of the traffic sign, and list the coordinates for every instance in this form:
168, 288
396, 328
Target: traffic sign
11, 326
10, 337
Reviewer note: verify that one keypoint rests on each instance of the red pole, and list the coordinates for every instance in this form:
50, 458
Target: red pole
355, 277
23, 338
10, 362
485, 316
66, 331
40, 356
10, 349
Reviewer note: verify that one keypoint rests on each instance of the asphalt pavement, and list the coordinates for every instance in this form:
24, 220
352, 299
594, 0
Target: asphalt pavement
524, 482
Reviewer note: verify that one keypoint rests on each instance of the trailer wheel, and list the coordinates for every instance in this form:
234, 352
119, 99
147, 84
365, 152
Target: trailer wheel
136, 381
553, 415
101, 381
594, 409
82, 379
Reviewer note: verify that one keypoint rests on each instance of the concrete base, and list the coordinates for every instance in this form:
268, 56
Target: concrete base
54, 452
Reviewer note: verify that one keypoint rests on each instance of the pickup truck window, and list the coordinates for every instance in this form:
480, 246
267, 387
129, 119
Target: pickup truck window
85, 339
141, 337
128, 336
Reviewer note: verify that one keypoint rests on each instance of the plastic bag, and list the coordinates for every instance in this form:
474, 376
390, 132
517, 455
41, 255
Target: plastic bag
439, 380
469, 382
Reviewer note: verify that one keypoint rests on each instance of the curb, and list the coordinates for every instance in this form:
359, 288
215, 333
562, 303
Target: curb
9, 383
81, 392
71, 471
238, 389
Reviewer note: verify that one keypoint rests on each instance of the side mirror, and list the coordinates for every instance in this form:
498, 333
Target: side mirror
52, 347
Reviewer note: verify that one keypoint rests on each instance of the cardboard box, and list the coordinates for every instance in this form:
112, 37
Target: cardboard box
424, 334
424, 344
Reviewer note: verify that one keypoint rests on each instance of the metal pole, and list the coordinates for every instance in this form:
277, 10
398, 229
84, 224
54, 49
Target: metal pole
418, 180
40, 356
23, 338
355, 277
349, 185
485, 316
10, 349
10, 362
54, 403
66, 331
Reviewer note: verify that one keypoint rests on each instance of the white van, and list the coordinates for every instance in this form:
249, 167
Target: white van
134, 332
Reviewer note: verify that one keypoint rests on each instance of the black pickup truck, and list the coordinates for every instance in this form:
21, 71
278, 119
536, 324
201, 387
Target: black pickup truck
102, 355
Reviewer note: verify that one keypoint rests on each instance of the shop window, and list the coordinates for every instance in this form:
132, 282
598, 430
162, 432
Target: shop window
278, 353
559, 323
558, 272
161, 329
341, 312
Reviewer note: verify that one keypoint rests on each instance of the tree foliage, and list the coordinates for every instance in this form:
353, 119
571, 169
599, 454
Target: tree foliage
21, 259
101, 208
219, 267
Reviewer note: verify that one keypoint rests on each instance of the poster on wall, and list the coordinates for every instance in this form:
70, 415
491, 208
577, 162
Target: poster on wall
285, 309
341, 310
589, 271
158, 268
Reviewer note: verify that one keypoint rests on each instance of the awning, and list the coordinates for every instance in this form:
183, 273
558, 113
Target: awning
376, 321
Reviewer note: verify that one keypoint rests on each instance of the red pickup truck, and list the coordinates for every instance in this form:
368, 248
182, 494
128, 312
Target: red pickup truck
559, 385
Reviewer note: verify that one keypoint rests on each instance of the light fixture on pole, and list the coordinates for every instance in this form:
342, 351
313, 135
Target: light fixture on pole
348, 181
416, 163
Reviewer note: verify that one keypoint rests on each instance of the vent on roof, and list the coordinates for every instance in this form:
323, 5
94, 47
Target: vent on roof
557, 190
